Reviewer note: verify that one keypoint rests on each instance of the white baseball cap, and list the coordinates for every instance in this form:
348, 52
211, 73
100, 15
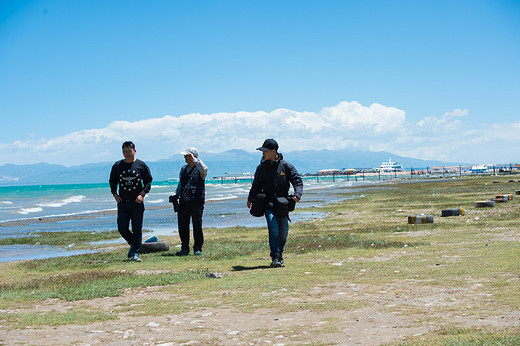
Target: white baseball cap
190, 150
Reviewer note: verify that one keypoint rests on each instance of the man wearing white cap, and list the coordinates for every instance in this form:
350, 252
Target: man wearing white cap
191, 193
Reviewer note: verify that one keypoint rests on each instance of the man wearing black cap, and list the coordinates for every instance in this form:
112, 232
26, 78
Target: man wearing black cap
272, 178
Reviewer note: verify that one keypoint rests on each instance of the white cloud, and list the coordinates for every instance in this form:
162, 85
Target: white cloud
447, 122
347, 125
352, 117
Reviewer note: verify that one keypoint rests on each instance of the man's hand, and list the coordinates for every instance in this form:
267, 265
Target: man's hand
117, 198
296, 199
249, 204
139, 199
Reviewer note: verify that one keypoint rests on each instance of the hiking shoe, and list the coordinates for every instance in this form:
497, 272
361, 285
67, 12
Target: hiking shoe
136, 258
183, 252
276, 261
198, 252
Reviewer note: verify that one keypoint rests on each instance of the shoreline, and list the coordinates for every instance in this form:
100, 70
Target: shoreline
158, 225
113, 212
60, 218
87, 215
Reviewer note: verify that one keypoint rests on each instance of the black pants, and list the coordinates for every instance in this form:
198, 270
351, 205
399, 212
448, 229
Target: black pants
193, 211
126, 212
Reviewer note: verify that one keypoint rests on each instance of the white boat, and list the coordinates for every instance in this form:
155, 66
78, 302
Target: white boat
479, 169
391, 166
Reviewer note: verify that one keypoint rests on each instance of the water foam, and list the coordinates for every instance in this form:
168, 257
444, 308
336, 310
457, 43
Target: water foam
221, 198
58, 204
155, 201
25, 211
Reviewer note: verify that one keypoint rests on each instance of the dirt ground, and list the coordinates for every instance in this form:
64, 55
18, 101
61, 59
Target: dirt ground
390, 313
381, 319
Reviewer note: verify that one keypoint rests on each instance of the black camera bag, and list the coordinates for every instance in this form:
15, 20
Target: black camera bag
292, 202
258, 207
281, 207
174, 199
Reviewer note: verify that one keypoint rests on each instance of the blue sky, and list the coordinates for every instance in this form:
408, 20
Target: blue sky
428, 79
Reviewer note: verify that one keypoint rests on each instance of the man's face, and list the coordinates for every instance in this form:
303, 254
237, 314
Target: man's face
189, 158
128, 153
269, 155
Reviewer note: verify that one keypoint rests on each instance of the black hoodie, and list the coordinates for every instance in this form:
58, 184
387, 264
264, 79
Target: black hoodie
273, 179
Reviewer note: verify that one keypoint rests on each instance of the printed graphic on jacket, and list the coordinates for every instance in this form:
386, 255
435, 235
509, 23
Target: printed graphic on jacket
129, 180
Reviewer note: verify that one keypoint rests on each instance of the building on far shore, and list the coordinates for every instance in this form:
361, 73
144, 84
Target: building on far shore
331, 171
235, 176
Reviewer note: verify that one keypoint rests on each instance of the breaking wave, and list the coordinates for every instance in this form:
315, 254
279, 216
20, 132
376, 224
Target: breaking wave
25, 211
61, 203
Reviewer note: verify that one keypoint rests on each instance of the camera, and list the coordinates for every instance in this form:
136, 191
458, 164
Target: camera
175, 200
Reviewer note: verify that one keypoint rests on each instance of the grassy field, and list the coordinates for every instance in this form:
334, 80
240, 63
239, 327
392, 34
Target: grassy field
453, 282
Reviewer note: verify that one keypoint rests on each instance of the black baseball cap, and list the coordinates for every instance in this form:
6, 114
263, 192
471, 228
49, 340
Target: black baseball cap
269, 144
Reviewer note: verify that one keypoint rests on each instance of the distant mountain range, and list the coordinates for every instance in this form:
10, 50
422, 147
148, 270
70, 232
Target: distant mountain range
229, 162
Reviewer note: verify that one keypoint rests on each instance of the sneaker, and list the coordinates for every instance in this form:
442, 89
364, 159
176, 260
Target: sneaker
198, 252
276, 261
183, 252
136, 258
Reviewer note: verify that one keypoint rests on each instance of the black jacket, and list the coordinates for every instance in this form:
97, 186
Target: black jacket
191, 187
133, 179
273, 179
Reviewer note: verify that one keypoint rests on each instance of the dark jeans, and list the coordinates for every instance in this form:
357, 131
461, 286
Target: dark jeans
278, 231
193, 211
126, 212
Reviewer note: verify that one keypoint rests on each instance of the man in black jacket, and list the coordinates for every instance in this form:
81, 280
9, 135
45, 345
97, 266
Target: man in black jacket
272, 178
135, 180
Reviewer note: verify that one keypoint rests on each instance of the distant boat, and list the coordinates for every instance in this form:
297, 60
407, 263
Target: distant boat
479, 169
391, 166
170, 180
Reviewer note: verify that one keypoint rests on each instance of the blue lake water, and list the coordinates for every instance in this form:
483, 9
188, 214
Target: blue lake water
90, 207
